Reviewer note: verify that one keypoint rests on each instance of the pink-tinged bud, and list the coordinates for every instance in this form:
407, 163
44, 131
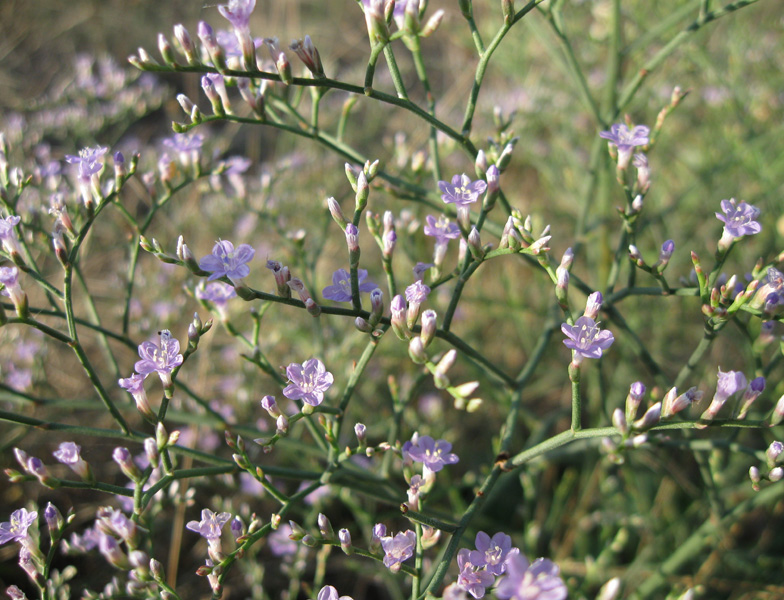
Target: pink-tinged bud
493, 187
363, 191
651, 417
325, 527
619, 421
776, 474
54, 520
635, 256
376, 306
362, 325
665, 253
124, 459
345, 541
268, 403
186, 46
506, 154
297, 533
446, 362
432, 23
755, 388
376, 21
313, 309
213, 96
416, 351
309, 55
164, 47
361, 432
773, 453
475, 244
337, 213
281, 425
428, 331
480, 164
352, 238
283, 66
398, 319
754, 475
151, 450
593, 305
253, 99
643, 172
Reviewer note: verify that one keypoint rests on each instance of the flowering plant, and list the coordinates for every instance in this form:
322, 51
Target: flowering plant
379, 414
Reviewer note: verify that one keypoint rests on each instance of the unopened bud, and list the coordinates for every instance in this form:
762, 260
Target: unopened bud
345, 541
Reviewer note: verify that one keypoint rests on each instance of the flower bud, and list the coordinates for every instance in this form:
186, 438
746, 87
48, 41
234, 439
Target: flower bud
282, 425
619, 421
428, 331
593, 305
345, 541
123, 458
416, 351
773, 453
776, 474
337, 213
651, 417
325, 527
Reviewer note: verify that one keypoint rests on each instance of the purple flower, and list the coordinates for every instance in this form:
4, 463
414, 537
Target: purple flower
210, 525
492, 552
539, 580
398, 549
309, 381
68, 453
225, 261
739, 218
626, 140
163, 358
280, 543
472, 578
330, 593
442, 228
462, 191
8, 235
238, 12
88, 161
729, 383
15, 529
9, 277
586, 339
217, 292
417, 292
419, 270
434, 454
340, 290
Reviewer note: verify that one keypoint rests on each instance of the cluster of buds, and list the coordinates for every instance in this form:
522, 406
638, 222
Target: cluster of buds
728, 384
658, 268
518, 236
728, 298
634, 430
32, 466
774, 456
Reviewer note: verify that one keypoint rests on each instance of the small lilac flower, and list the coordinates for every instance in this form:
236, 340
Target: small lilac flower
756, 387
309, 381
419, 270
434, 454
729, 383
740, 219
398, 549
472, 577
462, 191
85, 542
9, 277
442, 228
238, 12
134, 385
340, 290
539, 580
210, 525
330, 593
416, 294
186, 145
492, 552
228, 262
217, 292
586, 339
280, 543
69, 453
87, 161
15, 529
163, 358
626, 140
8, 235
